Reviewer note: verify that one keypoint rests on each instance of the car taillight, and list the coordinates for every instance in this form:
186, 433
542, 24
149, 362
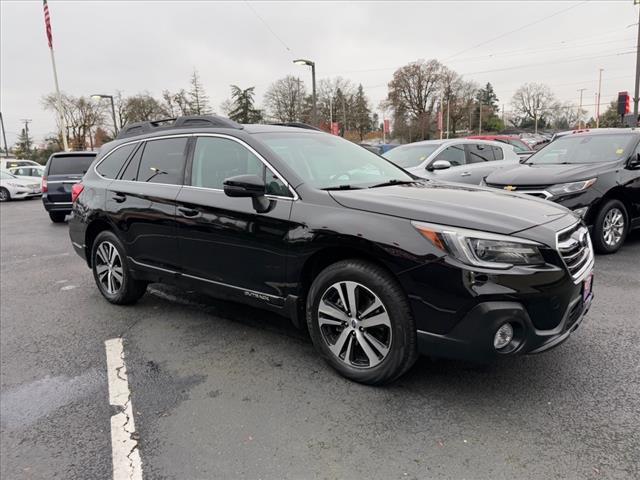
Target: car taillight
44, 184
76, 190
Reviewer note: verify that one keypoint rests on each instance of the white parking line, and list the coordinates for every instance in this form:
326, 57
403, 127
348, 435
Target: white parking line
124, 446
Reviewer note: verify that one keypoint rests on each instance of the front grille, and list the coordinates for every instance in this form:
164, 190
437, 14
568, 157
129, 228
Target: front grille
574, 246
533, 190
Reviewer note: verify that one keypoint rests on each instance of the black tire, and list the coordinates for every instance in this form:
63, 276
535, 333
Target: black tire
402, 349
57, 217
5, 196
130, 290
599, 236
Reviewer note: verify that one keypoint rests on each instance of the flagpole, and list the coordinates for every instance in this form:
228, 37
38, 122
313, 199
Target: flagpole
59, 102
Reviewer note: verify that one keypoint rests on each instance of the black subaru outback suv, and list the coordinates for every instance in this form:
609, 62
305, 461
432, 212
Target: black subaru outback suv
377, 264
595, 173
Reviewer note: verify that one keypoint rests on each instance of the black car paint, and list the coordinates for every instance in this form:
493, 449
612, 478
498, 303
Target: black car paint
202, 239
57, 198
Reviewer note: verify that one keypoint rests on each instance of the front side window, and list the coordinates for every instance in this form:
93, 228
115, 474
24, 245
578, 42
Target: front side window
163, 161
409, 156
215, 159
454, 155
580, 148
110, 166
326, 161
498, 154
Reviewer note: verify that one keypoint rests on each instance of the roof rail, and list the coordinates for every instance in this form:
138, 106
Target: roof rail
189, 121
297, 125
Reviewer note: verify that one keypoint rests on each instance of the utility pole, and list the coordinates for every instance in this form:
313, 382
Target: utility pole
26, 122
580, 108
480, 119
448, 110
637, 90
4, 137
598, 98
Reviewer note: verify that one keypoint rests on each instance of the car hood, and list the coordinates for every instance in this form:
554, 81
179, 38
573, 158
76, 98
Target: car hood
527, 174
456, 205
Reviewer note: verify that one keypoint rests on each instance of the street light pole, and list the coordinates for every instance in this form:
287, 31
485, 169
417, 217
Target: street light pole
309, 63
99, 96
580, 108
598, 98
637, 90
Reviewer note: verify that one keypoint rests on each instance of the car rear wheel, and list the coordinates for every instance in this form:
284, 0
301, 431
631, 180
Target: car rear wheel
57, 217
5, 196
611, 227
111, 271
360, 322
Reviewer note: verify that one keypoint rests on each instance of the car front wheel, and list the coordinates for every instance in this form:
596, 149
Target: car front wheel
5, 196
360, 322
111, 271
611, 227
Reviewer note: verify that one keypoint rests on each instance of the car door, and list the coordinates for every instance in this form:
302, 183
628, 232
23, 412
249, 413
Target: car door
223, 241
482, 159
141, 202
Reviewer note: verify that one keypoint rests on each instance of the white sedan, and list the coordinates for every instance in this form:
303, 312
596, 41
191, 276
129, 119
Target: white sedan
31, 173
12, 187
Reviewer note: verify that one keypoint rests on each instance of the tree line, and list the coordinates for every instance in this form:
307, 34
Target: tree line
423, 97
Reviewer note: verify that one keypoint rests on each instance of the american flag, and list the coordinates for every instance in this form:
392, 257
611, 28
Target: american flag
47, 23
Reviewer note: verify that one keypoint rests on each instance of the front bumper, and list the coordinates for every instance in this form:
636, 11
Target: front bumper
472, 337
26, 193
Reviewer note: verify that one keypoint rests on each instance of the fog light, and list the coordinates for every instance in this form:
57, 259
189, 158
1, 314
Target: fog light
503, 337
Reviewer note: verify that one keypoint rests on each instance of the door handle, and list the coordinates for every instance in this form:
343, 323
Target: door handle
465, 174
119, 197
188, 212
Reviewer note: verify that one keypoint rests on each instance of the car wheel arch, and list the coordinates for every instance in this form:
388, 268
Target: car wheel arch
616, 193
93, 230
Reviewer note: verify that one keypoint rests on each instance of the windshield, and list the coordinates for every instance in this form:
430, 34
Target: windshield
411, 155
518, 145
326, 161
70, 164
583, 149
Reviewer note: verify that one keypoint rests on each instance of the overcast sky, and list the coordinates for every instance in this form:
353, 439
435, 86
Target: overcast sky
149, 46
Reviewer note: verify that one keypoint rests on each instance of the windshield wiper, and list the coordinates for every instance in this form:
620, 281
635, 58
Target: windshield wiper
343, 187
392, 182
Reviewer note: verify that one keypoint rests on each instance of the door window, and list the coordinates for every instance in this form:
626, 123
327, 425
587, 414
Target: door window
498, 154
111, 165
216, 159
480, 153
163, 161
453, 154
130, 172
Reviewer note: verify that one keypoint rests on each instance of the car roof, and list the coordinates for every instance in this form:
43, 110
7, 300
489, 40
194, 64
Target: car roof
74, 154
454, 141
602, 131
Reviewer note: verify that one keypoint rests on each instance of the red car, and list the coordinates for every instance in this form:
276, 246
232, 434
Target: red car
522, 149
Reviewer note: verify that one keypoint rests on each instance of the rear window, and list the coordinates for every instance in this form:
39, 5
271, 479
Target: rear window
70, 164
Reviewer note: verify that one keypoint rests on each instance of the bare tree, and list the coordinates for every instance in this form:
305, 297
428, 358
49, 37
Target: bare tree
175, 104
458, 95
533, 101
140, 108
80, 115
414, 91
198, 99
284, 99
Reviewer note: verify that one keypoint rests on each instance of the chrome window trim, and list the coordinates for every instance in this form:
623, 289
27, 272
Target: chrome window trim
211, 189
218, 135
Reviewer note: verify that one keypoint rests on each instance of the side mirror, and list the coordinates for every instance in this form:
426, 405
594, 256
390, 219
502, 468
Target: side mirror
440, 165
244, 186
250, 186
634, 162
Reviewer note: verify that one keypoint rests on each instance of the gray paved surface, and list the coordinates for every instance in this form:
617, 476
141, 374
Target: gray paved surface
224, 391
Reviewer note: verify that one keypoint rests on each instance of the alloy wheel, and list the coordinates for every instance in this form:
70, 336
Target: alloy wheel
613, 227
109, 267
355, 324
4, 195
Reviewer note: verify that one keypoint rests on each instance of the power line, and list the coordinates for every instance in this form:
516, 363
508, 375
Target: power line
502, 35
268, 27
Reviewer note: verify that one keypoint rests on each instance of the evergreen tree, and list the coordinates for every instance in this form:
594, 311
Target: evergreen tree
361, 113
488, 98
198, 99
22, 148
242, 108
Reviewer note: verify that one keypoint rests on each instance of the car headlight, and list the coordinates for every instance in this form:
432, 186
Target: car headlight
573, 187
481, 249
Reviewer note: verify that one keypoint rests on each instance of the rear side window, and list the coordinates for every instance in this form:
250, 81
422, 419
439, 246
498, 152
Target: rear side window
480, 153
163, 161
70, 164
498, 154
110, 166
131, 171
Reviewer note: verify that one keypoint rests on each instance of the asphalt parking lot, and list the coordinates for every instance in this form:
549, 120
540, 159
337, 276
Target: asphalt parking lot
225, 391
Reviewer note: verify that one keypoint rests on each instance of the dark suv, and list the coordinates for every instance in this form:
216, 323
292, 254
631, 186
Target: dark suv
62, 172
595, 173
377, 264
